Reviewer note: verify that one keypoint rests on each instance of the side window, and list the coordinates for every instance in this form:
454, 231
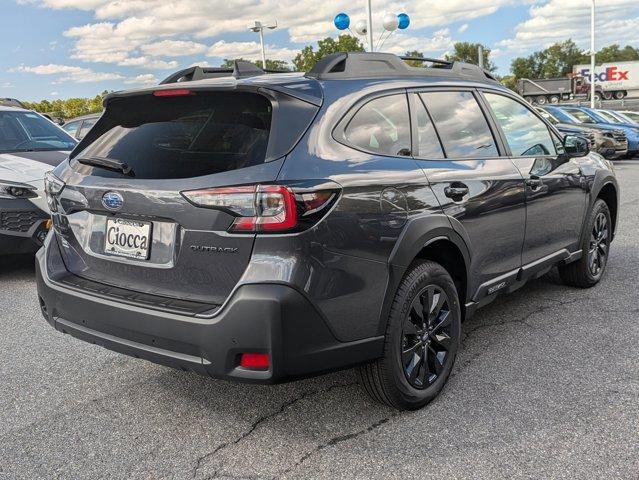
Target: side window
381, 126
86, 126
427, 142
71, 128
525, 133
461, 124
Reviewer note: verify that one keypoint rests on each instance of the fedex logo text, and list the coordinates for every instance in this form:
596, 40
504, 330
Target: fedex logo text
610, 74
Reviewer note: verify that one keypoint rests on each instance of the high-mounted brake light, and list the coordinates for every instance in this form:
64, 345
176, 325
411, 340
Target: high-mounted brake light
263, 208
176, 92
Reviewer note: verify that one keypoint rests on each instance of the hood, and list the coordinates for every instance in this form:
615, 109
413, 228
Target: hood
29, 166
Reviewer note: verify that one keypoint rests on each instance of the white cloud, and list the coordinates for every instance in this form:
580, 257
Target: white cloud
157, 28
437, 44
248, 50
462, 28
54, 94
173, 48
68, 73
145, 79
617, 22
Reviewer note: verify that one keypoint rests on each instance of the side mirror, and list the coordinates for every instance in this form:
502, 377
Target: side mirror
576, 146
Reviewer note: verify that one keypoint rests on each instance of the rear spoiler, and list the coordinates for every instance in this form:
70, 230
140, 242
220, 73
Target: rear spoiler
241, 69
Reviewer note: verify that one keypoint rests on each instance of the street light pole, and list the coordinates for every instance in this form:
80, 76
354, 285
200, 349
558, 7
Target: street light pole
592, 55
369, 13
259, 28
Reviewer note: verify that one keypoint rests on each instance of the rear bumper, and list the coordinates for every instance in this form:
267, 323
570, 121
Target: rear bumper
261, 318
21, 226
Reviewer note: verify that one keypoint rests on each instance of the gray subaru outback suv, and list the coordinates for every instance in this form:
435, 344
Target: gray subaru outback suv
263, 228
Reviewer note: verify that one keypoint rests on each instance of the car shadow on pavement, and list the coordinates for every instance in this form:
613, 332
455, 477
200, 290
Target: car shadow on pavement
17, 266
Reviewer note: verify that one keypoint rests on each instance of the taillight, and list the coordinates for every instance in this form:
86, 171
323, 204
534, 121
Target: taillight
264, 208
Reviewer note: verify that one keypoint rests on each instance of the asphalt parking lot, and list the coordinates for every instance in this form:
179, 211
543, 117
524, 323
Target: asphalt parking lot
546, 386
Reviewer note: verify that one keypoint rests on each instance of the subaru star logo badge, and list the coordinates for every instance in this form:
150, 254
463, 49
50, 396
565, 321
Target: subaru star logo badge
112, 201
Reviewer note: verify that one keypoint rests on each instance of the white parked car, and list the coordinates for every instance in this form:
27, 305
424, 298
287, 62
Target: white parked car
30, 146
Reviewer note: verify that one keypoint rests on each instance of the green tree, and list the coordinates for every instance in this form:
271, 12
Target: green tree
308, 57
414, 54
279, 65
614, 53
509, 81
555, 61
468, 52
69, 108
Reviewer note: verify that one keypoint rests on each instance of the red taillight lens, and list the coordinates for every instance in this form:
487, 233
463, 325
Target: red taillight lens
262, 208
175, 92
255, 361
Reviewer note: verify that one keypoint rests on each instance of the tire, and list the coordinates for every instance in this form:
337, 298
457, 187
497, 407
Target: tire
542, 100
607, 95
399, 379
588, 270
620, 95
554, 99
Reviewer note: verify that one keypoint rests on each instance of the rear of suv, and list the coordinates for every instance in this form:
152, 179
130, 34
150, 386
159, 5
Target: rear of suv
268, 227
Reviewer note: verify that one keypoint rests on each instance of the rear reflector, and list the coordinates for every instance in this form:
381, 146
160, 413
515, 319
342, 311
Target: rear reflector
176, 92
255, 361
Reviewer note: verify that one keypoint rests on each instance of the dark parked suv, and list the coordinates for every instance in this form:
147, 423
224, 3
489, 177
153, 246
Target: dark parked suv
267, 227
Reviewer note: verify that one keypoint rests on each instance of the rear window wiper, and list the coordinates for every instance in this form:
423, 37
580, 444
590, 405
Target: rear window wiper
108, 164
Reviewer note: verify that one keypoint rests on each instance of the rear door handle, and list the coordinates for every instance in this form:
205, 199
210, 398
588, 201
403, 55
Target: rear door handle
456, 191
534, 182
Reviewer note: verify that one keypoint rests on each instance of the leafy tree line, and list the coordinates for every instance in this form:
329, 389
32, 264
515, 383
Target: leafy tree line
69, 108
554, 61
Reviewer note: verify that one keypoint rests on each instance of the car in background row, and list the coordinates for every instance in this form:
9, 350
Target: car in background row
78, 127
589, 116
617, 117
632, 116
609, 143
30, 146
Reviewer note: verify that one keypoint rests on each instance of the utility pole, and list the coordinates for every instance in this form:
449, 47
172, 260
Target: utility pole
480, 54
259, 28
369, 14
592, 55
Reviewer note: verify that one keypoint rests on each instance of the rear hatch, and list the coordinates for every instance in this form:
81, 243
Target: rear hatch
124, 221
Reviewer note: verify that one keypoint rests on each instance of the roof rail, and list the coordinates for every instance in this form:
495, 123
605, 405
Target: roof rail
241, 69
427, 59
364, 65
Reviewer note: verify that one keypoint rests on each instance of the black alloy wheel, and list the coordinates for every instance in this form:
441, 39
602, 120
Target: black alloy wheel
426, 337
599, 243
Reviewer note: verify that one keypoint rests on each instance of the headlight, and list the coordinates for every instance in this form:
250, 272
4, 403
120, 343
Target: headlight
16, 190
53, 186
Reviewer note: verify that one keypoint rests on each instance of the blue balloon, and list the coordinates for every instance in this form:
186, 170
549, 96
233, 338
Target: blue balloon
342, 21
403, 21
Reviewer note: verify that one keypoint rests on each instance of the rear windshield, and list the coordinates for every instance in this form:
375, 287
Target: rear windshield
181, 137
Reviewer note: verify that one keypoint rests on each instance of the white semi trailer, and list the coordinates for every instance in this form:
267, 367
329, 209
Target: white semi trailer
617, 79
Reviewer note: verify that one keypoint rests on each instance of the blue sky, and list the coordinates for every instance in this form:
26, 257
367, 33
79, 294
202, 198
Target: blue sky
75, 48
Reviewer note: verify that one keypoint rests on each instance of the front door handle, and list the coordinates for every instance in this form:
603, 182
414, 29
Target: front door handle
456, 191
534, 182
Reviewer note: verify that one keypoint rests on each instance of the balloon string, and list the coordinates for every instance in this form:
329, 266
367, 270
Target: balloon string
389, 35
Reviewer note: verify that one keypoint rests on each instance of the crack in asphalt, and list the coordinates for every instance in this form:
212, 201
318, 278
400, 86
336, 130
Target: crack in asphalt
335, 441
258, 422
523, 320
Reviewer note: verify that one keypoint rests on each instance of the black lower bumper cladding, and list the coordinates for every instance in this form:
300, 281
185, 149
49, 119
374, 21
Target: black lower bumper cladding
258, 318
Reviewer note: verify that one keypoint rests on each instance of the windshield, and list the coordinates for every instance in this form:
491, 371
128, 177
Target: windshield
608, 116
582, 117
28, 131
547, 116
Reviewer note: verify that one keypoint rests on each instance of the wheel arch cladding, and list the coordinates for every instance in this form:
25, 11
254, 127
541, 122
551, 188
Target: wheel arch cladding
428, 238
608, 194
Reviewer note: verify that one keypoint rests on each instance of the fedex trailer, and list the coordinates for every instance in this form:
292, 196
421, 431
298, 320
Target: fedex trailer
617, 79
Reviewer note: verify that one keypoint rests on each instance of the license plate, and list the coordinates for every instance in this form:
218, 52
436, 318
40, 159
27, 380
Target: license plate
127, 238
